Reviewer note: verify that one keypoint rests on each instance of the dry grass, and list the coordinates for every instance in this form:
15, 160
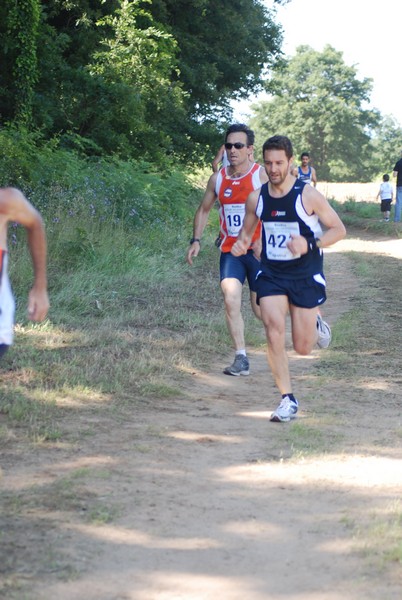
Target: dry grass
360, 192
121, 364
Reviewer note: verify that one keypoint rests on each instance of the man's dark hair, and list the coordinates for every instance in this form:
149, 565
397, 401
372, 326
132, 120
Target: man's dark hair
279, 142
241, 128
305, 154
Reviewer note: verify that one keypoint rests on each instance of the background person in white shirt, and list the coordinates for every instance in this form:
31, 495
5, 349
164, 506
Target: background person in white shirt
386, 194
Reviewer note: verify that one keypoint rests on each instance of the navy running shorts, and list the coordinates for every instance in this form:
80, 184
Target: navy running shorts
3, 349
386, 205
240, 267
305, 293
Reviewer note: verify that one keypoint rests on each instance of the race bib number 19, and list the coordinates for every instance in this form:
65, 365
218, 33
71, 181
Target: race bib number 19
234, 215
277, 235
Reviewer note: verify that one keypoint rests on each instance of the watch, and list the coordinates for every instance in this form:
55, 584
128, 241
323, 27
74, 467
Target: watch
193, 239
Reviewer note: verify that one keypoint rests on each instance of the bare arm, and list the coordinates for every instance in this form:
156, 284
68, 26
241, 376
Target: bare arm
263, 175
313, 177
257, 244
250, 222
15, 207
218, 159
201, 217
315, 202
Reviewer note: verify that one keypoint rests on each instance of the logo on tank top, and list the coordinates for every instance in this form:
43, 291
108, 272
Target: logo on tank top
278, 213
227, 193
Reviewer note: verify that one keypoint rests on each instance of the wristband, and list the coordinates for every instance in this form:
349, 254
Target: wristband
195, 240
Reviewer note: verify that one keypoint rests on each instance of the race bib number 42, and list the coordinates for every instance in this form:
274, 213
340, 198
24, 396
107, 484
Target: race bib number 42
234, 215
277, 235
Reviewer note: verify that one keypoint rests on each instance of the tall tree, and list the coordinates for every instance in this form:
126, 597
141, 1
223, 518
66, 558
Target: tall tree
18, 28
319, 102
139, 62
140, 78
225, 47
106, 78
387, 142
205, 52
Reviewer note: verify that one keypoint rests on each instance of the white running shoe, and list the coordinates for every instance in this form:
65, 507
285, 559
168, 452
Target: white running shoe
286, 410
324, 333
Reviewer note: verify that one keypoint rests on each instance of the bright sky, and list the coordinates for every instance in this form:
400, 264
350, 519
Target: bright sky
367, 33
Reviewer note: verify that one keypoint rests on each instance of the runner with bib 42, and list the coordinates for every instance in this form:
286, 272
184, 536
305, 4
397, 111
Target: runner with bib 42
291, 278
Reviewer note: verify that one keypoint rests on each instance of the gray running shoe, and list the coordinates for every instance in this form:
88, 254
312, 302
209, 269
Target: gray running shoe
240, 366
324, 333
286, 410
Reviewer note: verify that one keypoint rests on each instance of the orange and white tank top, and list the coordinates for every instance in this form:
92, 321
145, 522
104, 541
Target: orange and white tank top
7, 304
232, 194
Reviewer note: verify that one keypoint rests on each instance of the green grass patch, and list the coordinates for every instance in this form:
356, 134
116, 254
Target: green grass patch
380, 539
365, 216
306, 440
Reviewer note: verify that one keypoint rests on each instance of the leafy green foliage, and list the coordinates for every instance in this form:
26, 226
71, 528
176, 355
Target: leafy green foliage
138, 63
387, 142
224, 47
319, 104
100, 215
19, 27
60, 181
151, 80
139, 79
107, 84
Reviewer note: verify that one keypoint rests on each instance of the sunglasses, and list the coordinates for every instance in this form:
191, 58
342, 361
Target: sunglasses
237, 145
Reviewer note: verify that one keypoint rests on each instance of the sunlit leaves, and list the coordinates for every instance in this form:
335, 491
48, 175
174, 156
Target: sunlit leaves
321, 105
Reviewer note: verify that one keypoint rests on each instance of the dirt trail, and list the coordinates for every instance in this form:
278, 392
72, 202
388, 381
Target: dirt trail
211, 499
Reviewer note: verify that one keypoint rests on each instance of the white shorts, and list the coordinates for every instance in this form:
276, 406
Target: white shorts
7, 303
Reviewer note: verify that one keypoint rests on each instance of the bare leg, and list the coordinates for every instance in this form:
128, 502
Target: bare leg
273, 311
304, 329
232, 293
255, 307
